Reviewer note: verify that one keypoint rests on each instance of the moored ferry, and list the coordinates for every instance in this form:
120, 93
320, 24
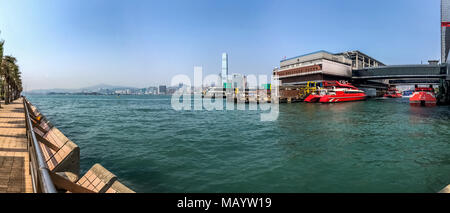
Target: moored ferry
336, 92
393, 93
423, 96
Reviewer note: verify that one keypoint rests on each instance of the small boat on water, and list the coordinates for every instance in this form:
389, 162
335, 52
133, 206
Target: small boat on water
423, 96
335, 91
407, 93
214, 92
393, 93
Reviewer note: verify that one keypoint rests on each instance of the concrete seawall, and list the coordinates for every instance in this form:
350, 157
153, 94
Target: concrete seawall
19, 173
63, 159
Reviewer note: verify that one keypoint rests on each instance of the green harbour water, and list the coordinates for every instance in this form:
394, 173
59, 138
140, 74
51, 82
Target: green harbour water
378, 145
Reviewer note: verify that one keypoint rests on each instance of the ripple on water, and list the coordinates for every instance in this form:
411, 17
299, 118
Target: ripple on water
373, 146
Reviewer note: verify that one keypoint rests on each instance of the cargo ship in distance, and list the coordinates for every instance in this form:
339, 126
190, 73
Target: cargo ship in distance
334, 91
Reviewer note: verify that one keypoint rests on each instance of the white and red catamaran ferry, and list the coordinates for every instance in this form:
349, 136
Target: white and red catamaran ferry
334, 91
423, 96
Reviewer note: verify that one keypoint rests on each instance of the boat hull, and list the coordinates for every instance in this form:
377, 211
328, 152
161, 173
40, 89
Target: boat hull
392, 95
426, 99
313, 98
423, 104
336, 92
335, 99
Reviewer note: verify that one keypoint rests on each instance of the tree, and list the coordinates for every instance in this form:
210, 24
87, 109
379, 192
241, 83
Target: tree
11, 79
1, 49
16, 82
10, 74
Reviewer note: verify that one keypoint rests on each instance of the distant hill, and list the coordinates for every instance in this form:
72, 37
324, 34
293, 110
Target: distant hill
95, 88
104, 87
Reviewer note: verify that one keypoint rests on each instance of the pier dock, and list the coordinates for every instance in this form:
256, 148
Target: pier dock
14, 159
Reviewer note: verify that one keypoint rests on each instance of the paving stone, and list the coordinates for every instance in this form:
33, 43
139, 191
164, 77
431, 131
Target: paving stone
14, 177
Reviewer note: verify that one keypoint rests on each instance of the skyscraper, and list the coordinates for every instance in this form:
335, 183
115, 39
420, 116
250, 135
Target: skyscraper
162, 90
224, 68
445, 29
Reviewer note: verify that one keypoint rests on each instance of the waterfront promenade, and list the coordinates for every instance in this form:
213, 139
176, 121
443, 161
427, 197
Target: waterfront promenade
14, 159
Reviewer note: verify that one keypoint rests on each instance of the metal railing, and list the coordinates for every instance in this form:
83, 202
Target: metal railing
40, 174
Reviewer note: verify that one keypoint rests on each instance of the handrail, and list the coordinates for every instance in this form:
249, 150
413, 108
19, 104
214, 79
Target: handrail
40, 171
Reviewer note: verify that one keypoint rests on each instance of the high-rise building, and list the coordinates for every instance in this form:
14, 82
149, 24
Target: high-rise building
445, 30
152, 91
238, 81
224, 68
162, 90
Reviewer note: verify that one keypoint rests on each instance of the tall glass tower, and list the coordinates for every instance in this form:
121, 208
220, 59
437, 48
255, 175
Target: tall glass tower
224, 68
445, 30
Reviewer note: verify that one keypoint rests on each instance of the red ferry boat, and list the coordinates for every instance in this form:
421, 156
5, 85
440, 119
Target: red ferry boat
336, 92
393, 93
423, 96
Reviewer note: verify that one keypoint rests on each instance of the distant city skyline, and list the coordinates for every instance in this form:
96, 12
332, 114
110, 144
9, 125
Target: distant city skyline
76, 44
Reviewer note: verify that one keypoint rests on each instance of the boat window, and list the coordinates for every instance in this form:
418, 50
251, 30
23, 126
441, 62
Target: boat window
352, 92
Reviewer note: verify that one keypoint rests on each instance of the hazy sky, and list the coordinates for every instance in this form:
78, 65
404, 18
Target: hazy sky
78, 43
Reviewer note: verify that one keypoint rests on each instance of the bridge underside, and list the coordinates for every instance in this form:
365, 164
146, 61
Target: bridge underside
379, 77
370, 84
424, 72
415, 81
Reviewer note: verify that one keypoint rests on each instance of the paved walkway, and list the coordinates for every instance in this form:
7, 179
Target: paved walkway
14, 160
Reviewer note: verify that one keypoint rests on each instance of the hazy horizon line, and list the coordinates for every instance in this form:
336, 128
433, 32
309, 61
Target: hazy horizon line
98, 85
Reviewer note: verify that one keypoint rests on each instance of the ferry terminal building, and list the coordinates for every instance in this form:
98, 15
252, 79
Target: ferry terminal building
322, 66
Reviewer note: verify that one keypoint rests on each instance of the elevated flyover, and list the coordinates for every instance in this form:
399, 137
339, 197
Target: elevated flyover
401, 72
431, 81
406, 74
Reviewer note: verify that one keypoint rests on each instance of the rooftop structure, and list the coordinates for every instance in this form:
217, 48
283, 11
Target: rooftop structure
361, 60
322, 65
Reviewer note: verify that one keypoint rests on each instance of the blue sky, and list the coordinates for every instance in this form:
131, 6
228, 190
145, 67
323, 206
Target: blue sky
78, 43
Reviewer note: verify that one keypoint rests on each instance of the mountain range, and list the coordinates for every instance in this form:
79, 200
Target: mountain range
95, 88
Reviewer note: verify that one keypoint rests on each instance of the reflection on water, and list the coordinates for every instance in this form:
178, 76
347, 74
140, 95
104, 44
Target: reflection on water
379, 145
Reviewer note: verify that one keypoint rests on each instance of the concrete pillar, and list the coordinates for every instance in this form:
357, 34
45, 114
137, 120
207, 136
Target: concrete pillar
357, 62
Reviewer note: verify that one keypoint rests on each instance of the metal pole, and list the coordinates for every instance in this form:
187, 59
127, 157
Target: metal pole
45, 180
